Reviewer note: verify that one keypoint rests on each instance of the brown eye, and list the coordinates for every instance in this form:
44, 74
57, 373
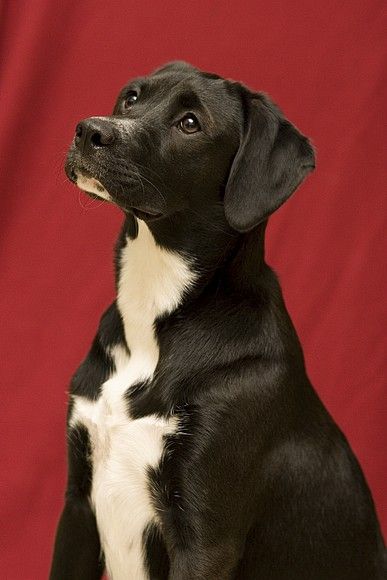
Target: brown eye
130, 99
189, 124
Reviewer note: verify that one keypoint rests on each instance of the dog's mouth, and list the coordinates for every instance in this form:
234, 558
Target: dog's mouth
83, 179
146, 215
92, 186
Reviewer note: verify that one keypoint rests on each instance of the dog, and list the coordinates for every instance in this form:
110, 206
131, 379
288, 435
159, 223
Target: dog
198, 449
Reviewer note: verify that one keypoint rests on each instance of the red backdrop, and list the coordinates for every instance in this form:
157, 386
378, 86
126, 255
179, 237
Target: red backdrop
62, 61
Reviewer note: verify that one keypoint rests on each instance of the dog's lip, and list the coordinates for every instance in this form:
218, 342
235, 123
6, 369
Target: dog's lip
80, 171
71, 174
74, 172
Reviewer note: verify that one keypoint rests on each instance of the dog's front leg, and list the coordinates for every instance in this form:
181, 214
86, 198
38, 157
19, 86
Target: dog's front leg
77, 548
77, 552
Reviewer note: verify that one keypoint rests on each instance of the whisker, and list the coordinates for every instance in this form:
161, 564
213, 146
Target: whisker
154, 187
141, 182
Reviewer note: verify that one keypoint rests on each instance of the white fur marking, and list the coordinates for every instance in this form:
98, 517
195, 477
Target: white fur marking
152, 283
92, 185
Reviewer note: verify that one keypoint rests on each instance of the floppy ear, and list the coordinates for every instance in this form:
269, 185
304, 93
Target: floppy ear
272, 160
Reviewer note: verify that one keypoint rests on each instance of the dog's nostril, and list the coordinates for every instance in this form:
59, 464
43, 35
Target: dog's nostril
93, 134
106, 136
102, 138
78, 130
96, 139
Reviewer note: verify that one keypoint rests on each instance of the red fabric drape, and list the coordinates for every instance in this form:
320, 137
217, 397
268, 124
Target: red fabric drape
62, 61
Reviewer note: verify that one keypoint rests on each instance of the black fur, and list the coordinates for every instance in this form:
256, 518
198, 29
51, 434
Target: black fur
258, 482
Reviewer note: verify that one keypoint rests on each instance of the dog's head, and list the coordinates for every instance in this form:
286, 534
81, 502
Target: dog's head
185, 140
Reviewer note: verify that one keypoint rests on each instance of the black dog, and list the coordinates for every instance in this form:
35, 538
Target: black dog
198, 448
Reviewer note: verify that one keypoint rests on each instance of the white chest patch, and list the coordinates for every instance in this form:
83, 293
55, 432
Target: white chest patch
152, 283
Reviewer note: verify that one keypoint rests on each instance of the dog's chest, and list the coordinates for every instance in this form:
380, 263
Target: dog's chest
122, 450
152, 282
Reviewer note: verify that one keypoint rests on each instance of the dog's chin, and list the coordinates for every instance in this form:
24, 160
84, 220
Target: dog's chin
94, 188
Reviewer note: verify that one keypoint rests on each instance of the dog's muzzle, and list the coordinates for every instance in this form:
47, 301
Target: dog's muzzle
91, 160
91, 135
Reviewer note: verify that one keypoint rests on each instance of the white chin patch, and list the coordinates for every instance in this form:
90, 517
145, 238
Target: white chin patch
92, 185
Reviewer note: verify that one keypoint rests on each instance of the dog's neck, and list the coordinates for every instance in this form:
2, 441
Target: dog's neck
152, 282
209, 249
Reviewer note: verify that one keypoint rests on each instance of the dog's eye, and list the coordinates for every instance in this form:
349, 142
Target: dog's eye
189, 124
130, 99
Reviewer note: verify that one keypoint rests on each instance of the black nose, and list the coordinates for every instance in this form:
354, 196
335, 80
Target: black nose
93, 133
